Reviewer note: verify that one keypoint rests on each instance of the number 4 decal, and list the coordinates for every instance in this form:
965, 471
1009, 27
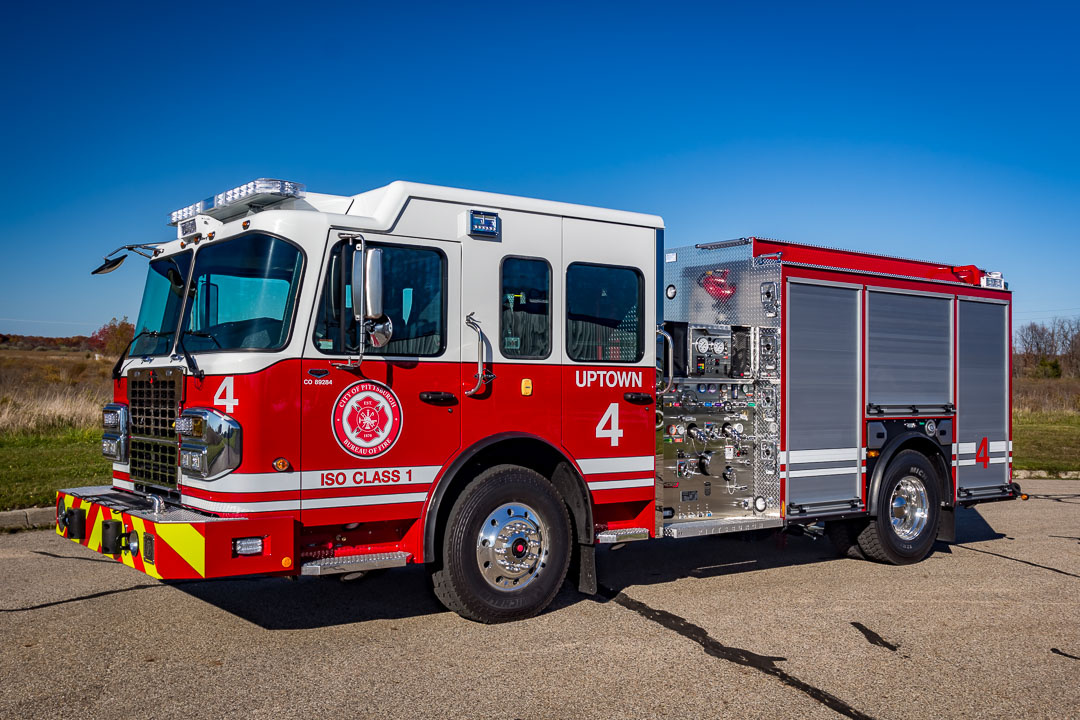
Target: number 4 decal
982, 455
613, 432
224, 395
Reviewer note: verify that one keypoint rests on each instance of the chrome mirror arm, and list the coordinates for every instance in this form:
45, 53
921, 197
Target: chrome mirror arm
669, 344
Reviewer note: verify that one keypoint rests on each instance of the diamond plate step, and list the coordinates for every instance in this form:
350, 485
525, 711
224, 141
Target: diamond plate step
355, 563
622, 535
717, 526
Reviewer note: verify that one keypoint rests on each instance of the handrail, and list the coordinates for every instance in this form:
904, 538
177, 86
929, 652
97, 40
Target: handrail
670, 358
482, 376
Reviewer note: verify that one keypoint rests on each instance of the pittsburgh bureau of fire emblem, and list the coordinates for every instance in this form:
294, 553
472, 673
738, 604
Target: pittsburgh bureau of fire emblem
367, 419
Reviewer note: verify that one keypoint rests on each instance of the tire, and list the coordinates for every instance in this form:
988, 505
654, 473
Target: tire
844, 535
506, 548
909, 510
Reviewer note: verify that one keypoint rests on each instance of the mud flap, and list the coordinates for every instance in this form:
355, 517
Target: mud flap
947, 526
587, 569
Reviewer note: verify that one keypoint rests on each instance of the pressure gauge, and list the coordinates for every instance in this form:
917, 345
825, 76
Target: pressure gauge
712, 388
703, 345
718, 347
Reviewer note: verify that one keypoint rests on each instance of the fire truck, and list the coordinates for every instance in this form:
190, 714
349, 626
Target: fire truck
493, 386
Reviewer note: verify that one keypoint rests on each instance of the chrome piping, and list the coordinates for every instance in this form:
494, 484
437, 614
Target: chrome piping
482, 376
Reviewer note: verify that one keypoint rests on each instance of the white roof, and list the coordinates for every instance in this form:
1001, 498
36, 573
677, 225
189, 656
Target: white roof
384, 205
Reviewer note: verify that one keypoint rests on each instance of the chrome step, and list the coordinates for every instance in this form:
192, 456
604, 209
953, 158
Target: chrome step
622, 535
718, 526
355, 563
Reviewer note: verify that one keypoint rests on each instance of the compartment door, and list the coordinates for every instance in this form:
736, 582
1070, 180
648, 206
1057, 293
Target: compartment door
984, 451
822, 379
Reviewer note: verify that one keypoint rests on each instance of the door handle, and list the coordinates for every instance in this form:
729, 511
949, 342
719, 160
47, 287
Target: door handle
638, 398
437, 397
318, 372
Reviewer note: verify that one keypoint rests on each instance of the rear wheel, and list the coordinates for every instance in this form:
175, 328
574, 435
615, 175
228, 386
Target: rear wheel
506, 548
909, 509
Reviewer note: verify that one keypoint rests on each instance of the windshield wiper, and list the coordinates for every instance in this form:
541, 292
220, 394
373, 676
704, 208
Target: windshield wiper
200, 334
127, 348
192, 366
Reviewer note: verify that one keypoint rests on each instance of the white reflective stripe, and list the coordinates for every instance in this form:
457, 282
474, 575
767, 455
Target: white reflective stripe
120, 467
125, 484
863, 469
1001, 446
966, 448
824, 471
592, 466
862, 453
830, 455
239, 507
615, 484
366, 477
965, 462
1010, 446
997, 460
357, 500
954, 463
244, 483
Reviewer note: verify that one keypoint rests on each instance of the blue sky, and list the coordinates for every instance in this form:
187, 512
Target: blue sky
942, 131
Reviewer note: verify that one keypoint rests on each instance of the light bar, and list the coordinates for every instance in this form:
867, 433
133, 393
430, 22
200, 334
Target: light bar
267, 189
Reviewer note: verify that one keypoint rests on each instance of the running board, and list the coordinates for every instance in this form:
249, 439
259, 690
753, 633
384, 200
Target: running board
718, 526
621, 535
354, 563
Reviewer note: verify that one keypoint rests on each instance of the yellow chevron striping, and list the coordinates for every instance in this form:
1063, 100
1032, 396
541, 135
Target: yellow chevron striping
95, 532
186, 542
139, 526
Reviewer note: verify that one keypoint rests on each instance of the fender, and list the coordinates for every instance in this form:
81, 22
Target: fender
913, 440
563, 472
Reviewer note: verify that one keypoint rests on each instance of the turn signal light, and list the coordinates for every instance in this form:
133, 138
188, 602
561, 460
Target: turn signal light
873, 453
281, 465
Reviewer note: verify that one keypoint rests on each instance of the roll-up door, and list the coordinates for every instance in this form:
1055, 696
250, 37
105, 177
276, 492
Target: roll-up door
982, 424
822, 376
909, 358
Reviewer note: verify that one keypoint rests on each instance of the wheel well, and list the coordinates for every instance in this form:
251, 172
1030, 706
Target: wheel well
921, 444
521, 450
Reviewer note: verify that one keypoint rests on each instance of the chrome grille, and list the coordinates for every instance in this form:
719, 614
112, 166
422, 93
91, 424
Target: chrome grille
154, 398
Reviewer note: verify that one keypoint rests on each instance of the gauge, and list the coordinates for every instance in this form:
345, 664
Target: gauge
702, 388
702, 345
680, 429
712, 388
738, 427
670, 292
718, 346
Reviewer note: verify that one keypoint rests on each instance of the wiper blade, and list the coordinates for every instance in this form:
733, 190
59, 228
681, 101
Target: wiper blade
200, 334
127, 348
192, 366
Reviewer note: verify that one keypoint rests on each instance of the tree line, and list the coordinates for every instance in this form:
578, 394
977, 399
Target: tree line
1048, 350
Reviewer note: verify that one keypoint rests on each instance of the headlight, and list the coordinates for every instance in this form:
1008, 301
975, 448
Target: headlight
114, 418
211, 443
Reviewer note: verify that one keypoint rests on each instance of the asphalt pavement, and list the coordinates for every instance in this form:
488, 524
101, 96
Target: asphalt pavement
710, 627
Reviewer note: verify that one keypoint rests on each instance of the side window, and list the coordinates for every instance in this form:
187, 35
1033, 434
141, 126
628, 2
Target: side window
603, 313
414, 291
525, 320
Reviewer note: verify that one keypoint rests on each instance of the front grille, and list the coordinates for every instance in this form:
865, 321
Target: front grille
154, 398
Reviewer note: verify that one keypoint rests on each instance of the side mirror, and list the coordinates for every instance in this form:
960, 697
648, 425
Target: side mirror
367, 295
109, 265
358, 283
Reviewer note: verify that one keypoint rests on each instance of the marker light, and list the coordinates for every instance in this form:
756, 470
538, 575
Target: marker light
248, 546
266, 190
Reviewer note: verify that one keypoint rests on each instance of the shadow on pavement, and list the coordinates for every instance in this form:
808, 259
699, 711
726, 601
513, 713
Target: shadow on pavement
306, 603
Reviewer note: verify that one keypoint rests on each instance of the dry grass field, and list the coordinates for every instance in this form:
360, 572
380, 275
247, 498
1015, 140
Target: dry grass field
50, 424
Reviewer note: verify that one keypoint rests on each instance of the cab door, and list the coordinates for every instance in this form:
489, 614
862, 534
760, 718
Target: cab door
375, 436
608, 370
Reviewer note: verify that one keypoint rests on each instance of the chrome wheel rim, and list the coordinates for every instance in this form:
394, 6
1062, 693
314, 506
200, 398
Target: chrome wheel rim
511, 549
909, 508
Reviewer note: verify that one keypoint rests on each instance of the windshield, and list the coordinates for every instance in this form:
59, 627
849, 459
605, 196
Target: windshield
242, 295
163, 297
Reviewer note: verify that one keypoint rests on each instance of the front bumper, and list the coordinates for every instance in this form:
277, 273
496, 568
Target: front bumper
175, 543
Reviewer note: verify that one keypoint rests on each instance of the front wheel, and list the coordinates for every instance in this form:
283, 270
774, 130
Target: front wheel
506, 548
909, 509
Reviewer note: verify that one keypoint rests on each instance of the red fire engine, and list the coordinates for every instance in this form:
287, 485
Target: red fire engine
325, 384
